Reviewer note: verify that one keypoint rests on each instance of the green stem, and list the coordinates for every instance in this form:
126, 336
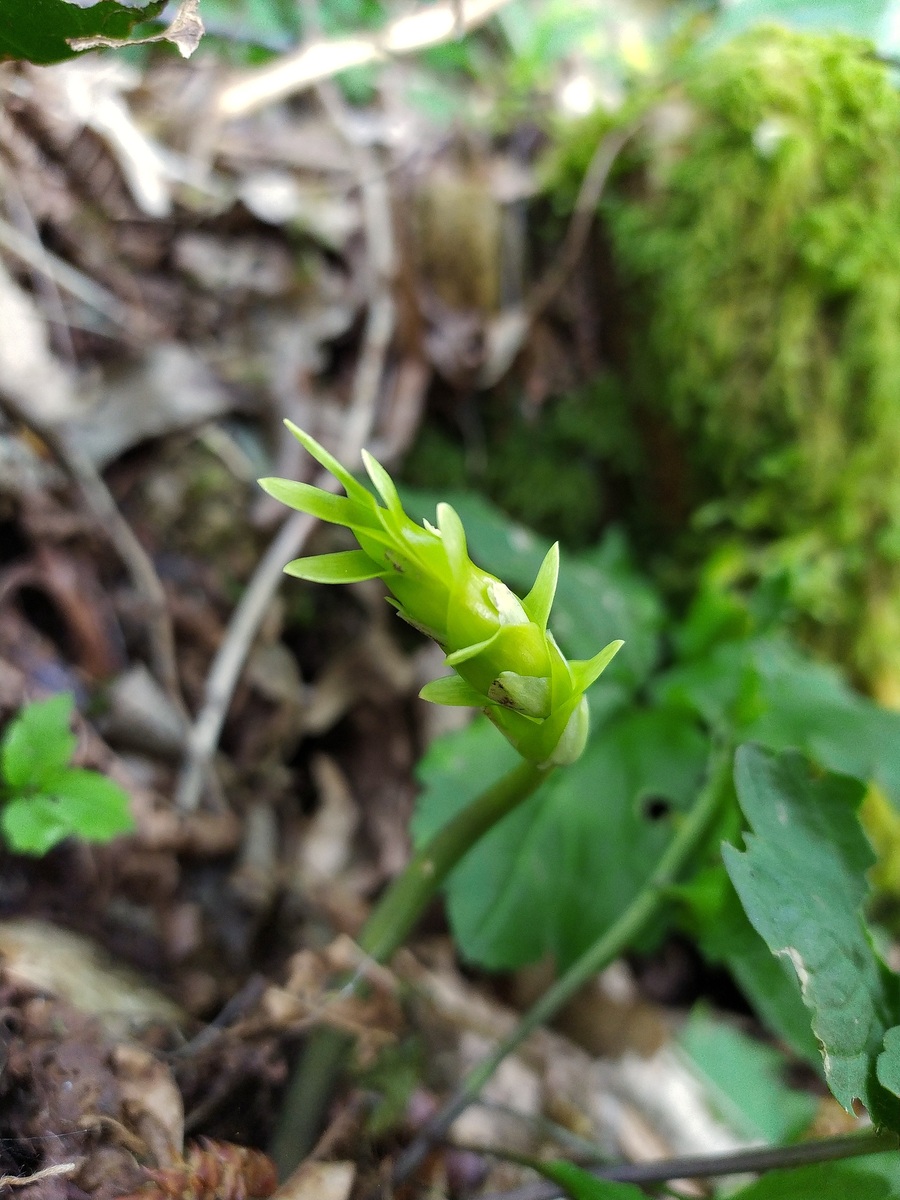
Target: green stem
621, 934
393, 917
405, 900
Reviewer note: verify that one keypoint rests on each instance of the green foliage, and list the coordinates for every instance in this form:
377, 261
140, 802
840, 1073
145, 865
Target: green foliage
757, 237
802, 882
744, 1080
874, 1177
552, 876
44, 798
506, 662
39, 30
875, 20
581, 1185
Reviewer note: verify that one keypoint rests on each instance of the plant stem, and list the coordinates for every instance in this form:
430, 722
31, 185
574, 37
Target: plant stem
756, 1159
403, 903
621, 934
393, 917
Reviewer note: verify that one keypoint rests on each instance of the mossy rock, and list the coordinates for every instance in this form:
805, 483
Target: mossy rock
757, 236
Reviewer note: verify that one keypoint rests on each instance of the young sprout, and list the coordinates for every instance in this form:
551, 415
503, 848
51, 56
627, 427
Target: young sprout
505, 659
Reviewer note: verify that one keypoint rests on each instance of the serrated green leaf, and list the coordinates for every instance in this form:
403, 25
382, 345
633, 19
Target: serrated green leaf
38, 743
715, 919
582, 1185
766, 691
555, 873
802, 883
38, 30
346, 566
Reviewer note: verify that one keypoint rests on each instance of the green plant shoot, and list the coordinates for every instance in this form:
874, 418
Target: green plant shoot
45, 799
506, 661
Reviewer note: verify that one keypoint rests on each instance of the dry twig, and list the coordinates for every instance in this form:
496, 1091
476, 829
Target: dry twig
360, 419
326, 57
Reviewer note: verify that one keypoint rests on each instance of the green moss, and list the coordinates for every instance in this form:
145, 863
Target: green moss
759, 241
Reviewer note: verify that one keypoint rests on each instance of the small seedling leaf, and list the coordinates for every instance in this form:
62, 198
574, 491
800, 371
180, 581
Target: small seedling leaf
94, 807
556, 872
32, 824
38, 743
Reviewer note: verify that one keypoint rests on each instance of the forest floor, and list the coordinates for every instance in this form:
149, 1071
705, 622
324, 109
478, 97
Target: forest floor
181, 268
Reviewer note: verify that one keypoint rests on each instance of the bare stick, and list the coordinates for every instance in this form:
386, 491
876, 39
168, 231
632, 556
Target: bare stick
324, 58
583, 216
137, 562
17, 1181
757, 1159
360, 419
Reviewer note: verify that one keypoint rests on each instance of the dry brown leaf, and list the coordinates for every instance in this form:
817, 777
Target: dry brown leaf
185, 32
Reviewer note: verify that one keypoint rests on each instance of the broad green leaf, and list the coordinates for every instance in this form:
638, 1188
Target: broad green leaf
744, 1080
802, 882
37, 30
580, 1184
720, 926
766, 691
346, 566
556, 872
872, 1177
38, 743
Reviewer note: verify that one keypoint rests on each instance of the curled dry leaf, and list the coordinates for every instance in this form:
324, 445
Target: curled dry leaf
185, 32
212, 1171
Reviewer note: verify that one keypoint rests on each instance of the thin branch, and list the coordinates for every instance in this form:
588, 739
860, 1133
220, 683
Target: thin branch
66, 277
54, 1172
740, 1162
621, 934
101, 505
583, 216
359, 422
324, 58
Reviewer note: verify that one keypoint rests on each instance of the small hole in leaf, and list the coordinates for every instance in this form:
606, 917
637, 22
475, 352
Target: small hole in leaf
656, 808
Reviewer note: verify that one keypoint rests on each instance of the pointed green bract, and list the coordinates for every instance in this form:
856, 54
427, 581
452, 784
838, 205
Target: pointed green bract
506, 660
347, 566
453, 691
539, 600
